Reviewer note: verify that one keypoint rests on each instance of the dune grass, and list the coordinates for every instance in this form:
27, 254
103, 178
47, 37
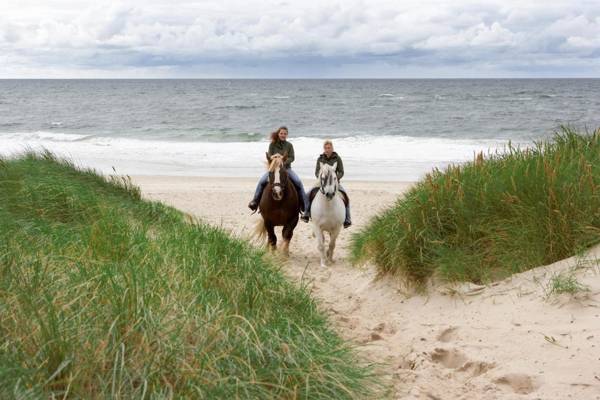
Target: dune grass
565, 282
498, 215
105, 295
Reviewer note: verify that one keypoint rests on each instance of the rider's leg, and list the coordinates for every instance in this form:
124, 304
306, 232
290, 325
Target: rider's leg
348, 220
262, 182
307, 212
298, 183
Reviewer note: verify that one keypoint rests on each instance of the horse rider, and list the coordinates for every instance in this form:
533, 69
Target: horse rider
331, 157
280, 145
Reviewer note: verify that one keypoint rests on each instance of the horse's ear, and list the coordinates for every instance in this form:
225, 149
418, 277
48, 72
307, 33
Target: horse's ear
334, 166
284, 158
268, 157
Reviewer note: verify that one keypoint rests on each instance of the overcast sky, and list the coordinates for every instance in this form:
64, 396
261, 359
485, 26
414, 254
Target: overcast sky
299, 39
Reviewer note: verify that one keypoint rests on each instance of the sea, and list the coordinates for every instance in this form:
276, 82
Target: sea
384, 130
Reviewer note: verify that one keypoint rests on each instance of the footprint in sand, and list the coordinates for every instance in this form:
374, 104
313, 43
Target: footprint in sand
519, 383
456, 360
447, 334
350, 322
476, 368
449, 358
385, 327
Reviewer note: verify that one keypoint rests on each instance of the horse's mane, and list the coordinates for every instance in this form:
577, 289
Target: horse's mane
326, 169
276, 161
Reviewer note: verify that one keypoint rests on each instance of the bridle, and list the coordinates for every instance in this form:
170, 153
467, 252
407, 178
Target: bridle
276, 184
329, 176
281, 184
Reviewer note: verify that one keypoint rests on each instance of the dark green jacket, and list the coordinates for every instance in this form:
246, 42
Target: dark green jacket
281, 147
331, 160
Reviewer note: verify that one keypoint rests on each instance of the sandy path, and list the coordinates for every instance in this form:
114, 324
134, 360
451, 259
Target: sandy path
508, 340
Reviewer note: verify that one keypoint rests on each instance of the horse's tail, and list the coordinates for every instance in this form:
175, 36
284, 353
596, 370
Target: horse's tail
260, 231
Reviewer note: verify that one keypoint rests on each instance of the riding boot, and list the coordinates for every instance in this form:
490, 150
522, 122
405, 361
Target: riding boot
260, 186
347, 220
305, 215
304, 204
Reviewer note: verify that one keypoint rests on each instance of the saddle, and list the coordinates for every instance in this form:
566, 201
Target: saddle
314, 190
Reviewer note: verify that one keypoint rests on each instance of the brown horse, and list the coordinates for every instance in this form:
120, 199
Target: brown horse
279, 204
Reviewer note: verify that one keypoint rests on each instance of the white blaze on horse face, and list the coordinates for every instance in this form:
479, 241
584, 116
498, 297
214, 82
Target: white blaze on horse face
277, 191
328, 181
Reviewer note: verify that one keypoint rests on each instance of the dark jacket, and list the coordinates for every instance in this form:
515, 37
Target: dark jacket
339, 171
281, 147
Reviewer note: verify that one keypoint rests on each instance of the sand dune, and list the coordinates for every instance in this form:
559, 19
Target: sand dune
502, 341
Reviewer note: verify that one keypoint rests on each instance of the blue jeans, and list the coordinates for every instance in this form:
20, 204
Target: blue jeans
262, 182
341, 188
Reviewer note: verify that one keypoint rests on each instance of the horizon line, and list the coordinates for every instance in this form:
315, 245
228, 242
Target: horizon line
306, 79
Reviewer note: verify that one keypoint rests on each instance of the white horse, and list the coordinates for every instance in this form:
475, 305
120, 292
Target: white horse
327, 211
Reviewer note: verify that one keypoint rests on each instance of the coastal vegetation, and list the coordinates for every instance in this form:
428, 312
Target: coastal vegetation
500, 214
106, 295
565, 282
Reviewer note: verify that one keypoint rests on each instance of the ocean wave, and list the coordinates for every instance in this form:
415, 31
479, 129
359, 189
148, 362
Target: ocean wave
45, 136
365, 156
239, 107
9, 124
510, 99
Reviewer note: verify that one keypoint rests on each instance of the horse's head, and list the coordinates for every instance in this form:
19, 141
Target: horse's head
278, 177
328, 182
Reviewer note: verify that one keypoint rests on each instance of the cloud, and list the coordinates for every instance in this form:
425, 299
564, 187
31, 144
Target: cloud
279, 37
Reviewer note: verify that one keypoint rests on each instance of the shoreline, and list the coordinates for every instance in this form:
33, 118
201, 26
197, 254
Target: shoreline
394, 185
372, 157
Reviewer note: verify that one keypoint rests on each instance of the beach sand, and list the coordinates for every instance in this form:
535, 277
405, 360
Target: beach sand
509, 340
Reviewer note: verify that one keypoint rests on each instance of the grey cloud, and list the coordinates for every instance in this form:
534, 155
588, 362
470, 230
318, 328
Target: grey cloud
510, 35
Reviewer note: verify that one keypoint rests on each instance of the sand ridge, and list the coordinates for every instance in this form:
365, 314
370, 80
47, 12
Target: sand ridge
502, 341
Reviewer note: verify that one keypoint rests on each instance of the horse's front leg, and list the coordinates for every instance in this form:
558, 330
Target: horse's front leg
271, 235
287, 233
320, 244
332, 238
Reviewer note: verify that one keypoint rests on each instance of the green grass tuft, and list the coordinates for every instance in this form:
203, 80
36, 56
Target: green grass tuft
104, 295
565, 282
495, 216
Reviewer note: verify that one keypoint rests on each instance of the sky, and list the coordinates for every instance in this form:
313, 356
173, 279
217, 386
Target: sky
299, 39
